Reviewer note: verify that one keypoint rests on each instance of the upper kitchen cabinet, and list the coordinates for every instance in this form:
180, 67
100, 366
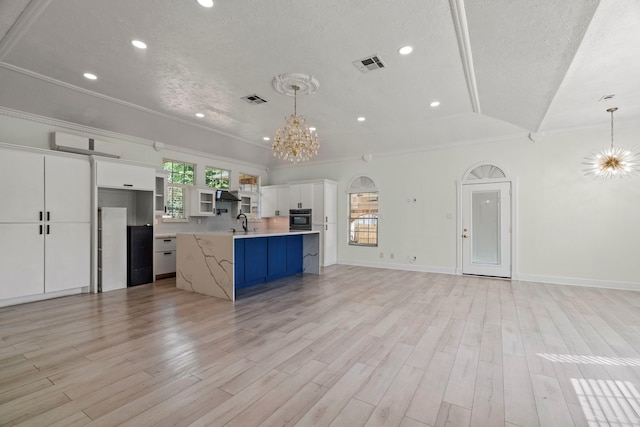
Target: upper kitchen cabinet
117, 174
248, 204
275, 201
325, 199
22, 189
160, 196
301, 196
203, 202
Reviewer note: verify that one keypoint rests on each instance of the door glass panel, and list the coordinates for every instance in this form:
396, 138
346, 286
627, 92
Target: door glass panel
485, 228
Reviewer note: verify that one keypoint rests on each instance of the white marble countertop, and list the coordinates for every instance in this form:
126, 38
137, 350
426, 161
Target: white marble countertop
251, 234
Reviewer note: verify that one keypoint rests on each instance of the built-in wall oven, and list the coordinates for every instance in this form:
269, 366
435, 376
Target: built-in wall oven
300, 219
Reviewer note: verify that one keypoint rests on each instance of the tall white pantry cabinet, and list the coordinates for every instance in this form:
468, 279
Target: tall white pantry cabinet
45, 222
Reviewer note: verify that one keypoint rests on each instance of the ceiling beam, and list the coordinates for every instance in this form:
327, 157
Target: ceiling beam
464, 45
22, 24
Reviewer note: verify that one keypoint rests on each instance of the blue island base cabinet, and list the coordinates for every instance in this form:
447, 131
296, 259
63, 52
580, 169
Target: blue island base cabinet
263, 259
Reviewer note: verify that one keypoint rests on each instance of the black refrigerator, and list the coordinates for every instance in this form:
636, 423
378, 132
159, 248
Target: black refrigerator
139, 255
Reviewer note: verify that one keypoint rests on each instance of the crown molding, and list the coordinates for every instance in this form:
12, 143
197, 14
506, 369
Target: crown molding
118, 136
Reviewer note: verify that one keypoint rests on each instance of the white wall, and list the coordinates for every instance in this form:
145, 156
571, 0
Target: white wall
570, 228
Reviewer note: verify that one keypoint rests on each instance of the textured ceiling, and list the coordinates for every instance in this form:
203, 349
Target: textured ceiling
499, 68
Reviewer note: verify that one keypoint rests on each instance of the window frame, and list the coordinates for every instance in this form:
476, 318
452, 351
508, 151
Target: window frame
184, 188
374, 217
228, 179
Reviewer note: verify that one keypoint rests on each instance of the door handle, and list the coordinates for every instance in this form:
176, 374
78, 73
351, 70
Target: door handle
40, 217
47, 228
48, 216
41, 229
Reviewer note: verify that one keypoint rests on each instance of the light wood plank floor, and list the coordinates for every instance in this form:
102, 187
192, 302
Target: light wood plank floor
352, 347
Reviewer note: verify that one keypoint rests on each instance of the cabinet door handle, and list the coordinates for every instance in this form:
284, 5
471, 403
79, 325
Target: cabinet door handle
47, 228
41, 216
277, 213
128, 185
166, 240
326, 219
40, 228
167, 253
326, 227
48, 216
165, 209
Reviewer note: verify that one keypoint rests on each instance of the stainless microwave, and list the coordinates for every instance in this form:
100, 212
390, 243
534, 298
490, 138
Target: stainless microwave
300, 219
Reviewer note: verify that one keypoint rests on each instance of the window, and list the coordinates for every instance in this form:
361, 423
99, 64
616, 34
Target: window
181, 177
249, 183
363, 219
216, 178
363, 212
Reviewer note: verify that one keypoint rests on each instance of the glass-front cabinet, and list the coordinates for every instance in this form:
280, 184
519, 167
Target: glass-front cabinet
203, 202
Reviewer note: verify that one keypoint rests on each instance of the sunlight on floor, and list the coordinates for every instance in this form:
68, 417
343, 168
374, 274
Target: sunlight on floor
591, 360
608, 402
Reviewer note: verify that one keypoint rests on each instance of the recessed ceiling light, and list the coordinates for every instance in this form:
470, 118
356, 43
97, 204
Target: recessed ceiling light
139, 44
199, 115
312, 129
405, 50
434, 104
361, 119
90, 76
205, 3
266, 138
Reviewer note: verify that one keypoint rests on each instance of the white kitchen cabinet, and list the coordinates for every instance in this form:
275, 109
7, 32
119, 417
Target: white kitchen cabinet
275, 201
328, 243
325, 199
21, 260
67, 255
301, 196
160, 195
248, 204
45, 228
22, 190
203, 202
111, 174
165, 256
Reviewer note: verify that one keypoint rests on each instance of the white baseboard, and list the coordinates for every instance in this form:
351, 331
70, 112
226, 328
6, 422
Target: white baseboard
572, 281
607, 284
40, 297
407, 267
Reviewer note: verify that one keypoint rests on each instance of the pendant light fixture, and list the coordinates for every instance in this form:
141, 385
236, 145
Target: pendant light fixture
612, 162
295, 141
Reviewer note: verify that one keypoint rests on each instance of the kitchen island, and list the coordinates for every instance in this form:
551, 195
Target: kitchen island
220, 263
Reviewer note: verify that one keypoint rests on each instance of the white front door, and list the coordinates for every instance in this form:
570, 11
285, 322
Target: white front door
486, 229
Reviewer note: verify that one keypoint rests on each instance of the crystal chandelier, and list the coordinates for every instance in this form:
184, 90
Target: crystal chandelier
295, 141
612, 162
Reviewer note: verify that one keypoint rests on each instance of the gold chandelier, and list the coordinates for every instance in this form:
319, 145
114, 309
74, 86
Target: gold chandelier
295, 141
612, 162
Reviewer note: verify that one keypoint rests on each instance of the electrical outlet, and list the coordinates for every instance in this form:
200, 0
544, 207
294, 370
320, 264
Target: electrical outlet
381, 254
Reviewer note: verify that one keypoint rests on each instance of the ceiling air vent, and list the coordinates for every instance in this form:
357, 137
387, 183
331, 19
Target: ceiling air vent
254, 99
370, 63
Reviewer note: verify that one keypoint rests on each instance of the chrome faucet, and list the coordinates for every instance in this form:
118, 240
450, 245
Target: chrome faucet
244, 223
